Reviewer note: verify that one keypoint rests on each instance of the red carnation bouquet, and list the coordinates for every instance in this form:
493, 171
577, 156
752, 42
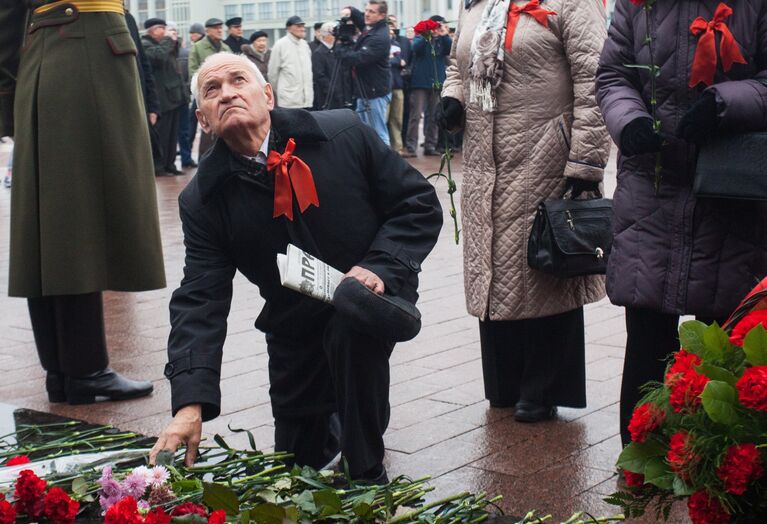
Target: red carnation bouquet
701, 435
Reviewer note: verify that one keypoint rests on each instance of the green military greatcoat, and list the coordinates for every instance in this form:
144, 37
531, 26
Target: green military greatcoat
83, 204
201, 50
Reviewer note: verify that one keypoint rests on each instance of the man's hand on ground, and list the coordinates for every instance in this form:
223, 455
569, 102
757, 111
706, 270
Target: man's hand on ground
369, 279
185, 429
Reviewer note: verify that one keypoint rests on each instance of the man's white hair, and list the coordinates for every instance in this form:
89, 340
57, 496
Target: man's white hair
218, 59
327, 28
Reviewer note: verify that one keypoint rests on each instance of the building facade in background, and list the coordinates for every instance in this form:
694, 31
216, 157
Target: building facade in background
270, 15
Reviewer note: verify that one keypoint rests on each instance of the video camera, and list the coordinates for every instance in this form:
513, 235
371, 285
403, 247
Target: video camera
344, 31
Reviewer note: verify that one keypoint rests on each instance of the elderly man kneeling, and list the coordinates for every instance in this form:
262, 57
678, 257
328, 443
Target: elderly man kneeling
367, 213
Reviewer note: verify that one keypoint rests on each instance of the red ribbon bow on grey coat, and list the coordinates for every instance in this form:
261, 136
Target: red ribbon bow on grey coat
532, 8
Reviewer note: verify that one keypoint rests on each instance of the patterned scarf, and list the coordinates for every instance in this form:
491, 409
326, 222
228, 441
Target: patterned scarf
487, 59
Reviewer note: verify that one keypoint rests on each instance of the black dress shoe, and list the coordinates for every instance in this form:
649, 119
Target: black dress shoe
191, 164
54, 385
374, 477
531, 412
173, 171
106, 383
431, 152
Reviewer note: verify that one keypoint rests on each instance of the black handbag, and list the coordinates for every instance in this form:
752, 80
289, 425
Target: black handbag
571, 237
733, 166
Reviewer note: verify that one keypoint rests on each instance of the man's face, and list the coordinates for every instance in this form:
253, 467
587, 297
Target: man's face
297, 30
260, 44
173, 33
194, 37
157, 32
236, 30
328, 39
215, 33
372, 14
231, 100
410, 33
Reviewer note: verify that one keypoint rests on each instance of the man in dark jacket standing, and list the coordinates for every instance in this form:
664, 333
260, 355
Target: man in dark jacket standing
370, 58
162, 51
238, 215
328, 84
235, 40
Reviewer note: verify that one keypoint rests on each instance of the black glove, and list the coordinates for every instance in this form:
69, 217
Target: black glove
638, 138
701, 121
451, 113
574, 187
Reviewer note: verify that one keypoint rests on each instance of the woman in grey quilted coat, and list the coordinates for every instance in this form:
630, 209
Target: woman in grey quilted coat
673, 253
532, 130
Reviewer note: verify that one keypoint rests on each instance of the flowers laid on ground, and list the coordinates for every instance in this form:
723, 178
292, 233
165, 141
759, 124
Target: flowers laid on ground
701, 435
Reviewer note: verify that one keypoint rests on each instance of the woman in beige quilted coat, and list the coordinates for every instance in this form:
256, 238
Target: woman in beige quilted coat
532, 130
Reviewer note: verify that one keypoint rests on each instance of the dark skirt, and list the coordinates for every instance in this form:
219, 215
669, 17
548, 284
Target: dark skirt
541, 360
83, 206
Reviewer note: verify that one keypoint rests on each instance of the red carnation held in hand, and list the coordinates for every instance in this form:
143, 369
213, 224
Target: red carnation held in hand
680, 455
7, 513
746, 324
705, 509
59, 507
124, 512
683, 362
742, 464
425, 26
17, 461
686, 391
645, 419
29, 493
752, 388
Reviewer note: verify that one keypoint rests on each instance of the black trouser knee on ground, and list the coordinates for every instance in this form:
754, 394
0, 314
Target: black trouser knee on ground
540, 360
651, 337
337, 370
69, 333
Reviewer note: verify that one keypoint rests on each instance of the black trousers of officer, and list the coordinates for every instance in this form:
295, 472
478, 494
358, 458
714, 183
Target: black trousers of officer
69, 333
651, 338
539, 360
330, 392
167, 134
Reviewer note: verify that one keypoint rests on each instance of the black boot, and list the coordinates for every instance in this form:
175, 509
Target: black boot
106, 383
532, 412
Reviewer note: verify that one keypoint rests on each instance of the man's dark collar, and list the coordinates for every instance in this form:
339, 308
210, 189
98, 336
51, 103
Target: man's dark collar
219, 164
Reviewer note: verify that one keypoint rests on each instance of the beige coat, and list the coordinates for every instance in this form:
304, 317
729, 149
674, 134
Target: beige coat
290, 72
546, 127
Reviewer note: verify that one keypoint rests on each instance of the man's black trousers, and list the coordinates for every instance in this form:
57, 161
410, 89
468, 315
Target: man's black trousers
167, 134
69, 333
330, 392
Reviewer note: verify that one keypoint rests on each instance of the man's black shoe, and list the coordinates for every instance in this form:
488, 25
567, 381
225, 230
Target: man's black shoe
374, 477
190, 165
106, 383
54, 385
159, 171
171, 170
531, 412
431, 152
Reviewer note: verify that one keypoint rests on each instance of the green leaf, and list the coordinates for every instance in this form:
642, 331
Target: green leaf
755, 346
716, 342
718, 373
165, 458
636, 455
181, 487
267, 514
245, 517
691, 336
719, 401
251, 438
658, 473
80, 487
681, 489
291, 514
189, 518
328, 502
220, 441
363, 510
305, 501
217, 496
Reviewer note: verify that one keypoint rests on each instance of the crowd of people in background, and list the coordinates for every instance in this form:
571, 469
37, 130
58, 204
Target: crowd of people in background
363, 61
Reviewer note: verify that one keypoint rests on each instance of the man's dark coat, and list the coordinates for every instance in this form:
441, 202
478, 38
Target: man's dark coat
323, 65
171, 88
235, 43
376, 211
370, 59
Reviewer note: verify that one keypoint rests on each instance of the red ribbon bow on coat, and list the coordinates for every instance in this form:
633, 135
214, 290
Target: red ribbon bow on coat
532, 8
704, 63
290, 171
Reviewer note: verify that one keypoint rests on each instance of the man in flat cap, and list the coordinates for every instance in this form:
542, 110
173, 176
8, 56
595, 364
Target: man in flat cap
258, 52
196, 32
235, 41
290, 67
328, 370
162, 51
205, 47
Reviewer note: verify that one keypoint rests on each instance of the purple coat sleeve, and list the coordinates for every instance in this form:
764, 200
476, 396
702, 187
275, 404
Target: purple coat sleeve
743, 103
617, 86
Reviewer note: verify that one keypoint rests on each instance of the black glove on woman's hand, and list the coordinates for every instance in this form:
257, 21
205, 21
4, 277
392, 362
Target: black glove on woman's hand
701, 121
638, 138
451, 114
576, 186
